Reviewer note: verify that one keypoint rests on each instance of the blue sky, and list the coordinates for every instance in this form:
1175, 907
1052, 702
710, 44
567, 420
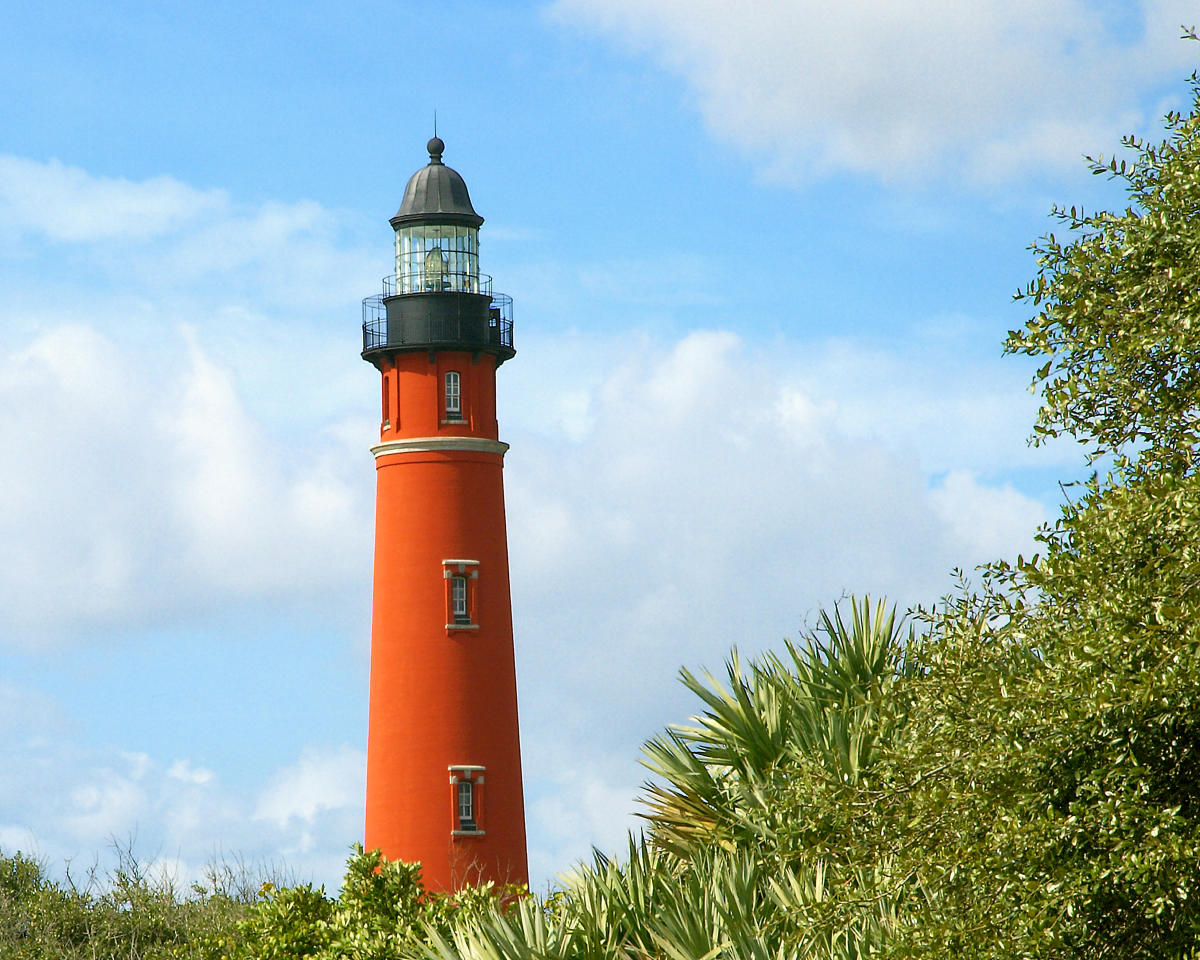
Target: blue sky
762, 262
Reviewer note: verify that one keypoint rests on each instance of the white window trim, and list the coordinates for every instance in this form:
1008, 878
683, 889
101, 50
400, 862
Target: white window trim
467, 570
473, 774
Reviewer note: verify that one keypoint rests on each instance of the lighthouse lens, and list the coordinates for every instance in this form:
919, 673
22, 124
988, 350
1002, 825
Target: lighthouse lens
436, 258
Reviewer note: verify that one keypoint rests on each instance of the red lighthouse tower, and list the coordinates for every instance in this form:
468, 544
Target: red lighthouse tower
443, 753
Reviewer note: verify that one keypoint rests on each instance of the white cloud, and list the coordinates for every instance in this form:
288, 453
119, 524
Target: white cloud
246, 525
721, 497
71, 205
928, 399
320, 780
712, 495
175, 459
902, 90
578, 806
65, 804
153, 492
169, 241
26, 712
183, 770
988, 521
14, 839
105, 806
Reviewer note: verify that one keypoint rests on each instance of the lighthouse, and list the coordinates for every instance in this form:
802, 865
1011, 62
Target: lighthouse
443, 750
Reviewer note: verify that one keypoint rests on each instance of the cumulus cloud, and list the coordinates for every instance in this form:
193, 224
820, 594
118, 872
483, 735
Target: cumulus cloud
577, 807
986, 520
183, 770
902, 91
320, 780
167, 239
932, 398
105, 806
27, 713
69, 204
14, 839
64, 802
134, 493
720, 496
713, 495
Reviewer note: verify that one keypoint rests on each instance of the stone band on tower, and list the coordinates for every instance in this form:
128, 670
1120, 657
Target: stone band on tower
443, 751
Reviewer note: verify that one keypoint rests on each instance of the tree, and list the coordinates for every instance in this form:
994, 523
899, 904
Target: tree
384, 911
1119, 306
1059, 706
745, 855
125, 913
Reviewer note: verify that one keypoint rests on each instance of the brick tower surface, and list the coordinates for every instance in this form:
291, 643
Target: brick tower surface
443, 751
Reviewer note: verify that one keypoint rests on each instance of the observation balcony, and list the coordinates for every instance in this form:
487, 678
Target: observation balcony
442, 311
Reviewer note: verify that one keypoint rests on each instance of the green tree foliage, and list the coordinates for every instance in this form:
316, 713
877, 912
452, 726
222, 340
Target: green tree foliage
1053, 715
383, 912
126, 914
746, 852
1118, 320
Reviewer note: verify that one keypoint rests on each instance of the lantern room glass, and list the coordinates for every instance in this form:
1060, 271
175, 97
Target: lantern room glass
432, 258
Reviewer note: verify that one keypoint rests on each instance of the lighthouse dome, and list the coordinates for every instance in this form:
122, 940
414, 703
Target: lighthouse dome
436, 194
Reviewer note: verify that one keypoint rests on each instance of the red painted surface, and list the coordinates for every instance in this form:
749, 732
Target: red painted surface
442, 697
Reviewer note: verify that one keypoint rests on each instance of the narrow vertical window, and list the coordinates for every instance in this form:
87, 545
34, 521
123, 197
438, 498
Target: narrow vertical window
461, 578
453, 396
458, 599
466, 805
386, 410
467, 800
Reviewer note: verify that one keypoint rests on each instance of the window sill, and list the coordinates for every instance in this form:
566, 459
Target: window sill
462, 626
468, 833
461, 422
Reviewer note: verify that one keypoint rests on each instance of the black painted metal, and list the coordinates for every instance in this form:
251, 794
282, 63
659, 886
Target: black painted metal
438, 321
471, 317
436, 194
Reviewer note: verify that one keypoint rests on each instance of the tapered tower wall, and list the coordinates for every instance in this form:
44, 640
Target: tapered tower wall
443, 693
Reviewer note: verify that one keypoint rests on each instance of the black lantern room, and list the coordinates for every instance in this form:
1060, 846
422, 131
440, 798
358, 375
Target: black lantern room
437, 299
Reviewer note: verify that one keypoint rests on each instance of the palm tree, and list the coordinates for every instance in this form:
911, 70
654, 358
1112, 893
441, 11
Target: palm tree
734, 864
827, 709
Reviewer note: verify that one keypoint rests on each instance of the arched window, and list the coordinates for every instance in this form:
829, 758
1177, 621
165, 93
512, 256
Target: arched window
453, 396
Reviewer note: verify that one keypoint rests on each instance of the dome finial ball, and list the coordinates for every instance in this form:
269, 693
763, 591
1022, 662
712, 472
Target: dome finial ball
435, 148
